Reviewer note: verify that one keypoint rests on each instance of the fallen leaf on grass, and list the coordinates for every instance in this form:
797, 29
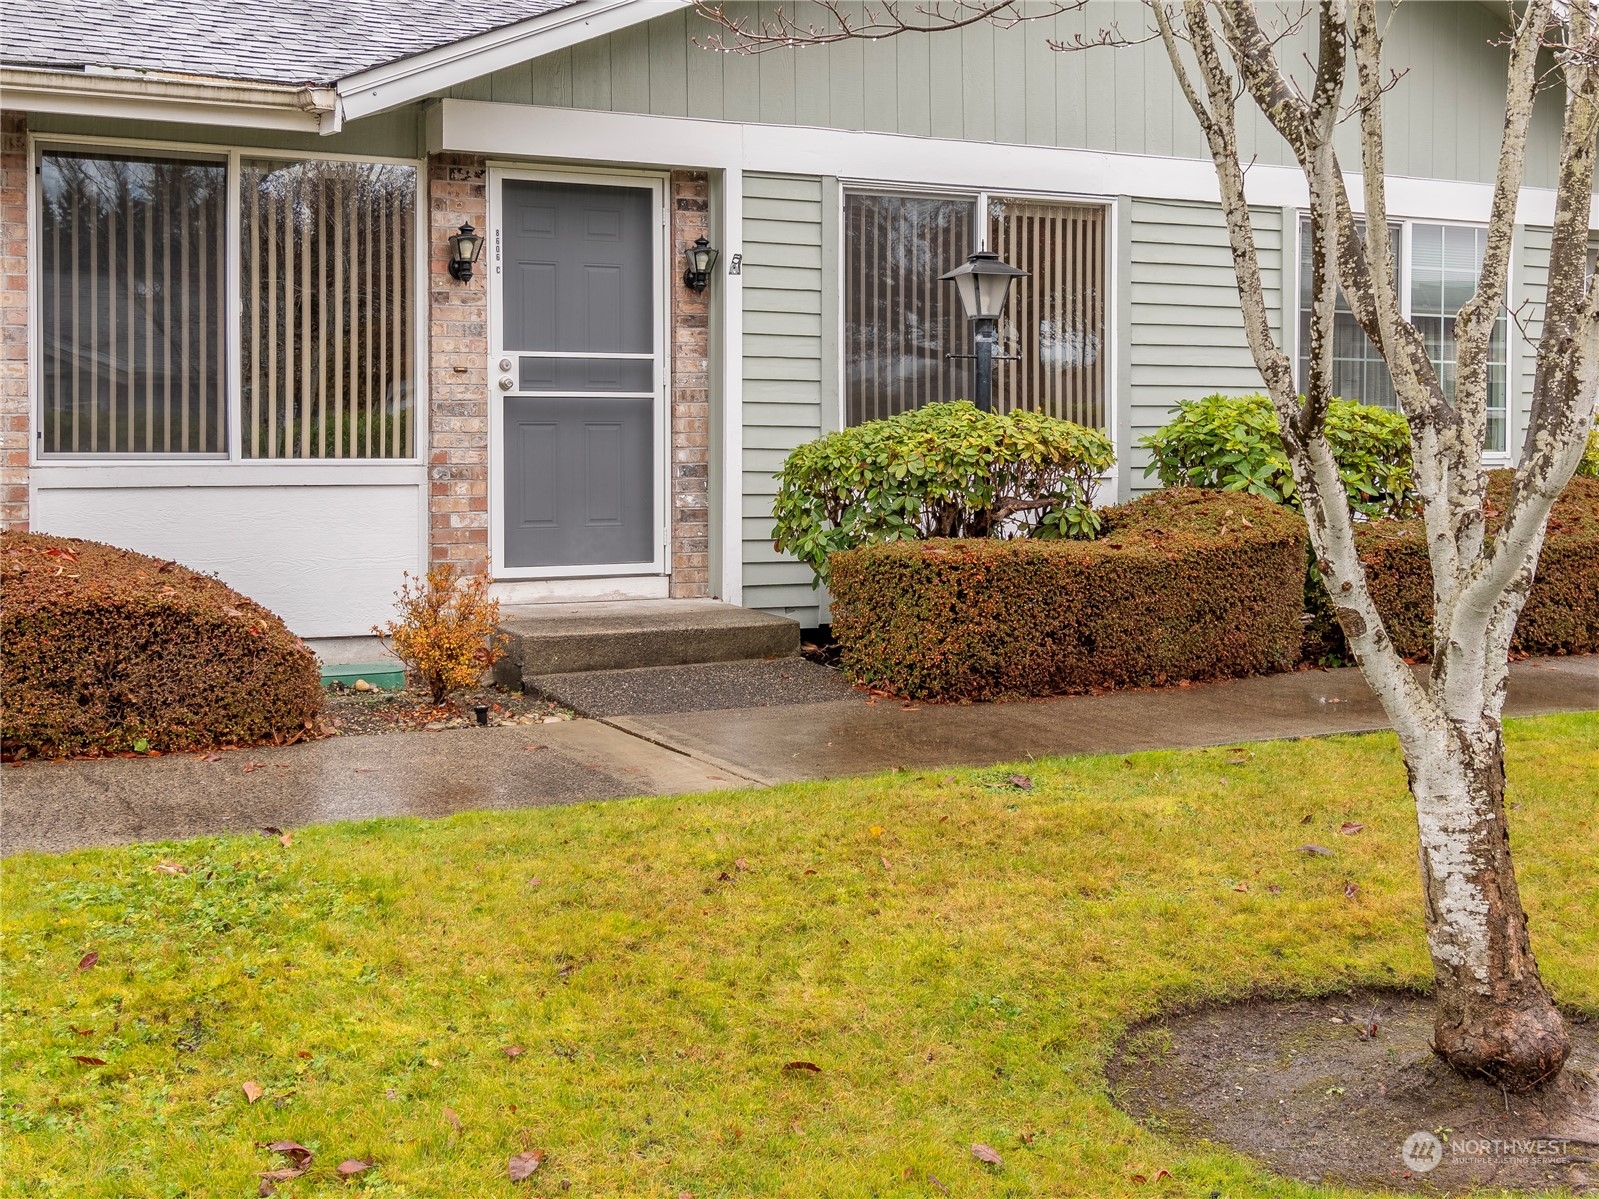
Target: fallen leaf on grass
293, 1150
513, 1051
941, 1187
741, 864
1349, 828
452, 1120
1241, 887
271, 1178
252, 1090
886, 866
522, 1165
805, 1067
1274, 889
1020, 781
287, 839
1351, 891
82, 1032
351, 1167
1306, 818
88, 1061
1239, 758
1320, 851
987, 1153
88, 960
172, 868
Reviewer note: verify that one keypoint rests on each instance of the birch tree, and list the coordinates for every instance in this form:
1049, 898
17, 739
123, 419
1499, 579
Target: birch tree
1494, 1017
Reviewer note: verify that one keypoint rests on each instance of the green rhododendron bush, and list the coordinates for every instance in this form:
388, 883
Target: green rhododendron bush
1181, 584
1231, 443
109, 651
944, 470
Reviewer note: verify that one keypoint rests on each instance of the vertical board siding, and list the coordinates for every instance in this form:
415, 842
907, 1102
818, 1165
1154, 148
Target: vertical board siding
1186, 334
988, 84
783, 366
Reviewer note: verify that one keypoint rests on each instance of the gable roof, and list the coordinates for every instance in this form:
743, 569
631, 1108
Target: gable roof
289, 42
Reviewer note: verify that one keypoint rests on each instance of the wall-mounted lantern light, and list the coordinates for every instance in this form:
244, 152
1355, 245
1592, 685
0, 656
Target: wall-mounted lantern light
701, 258
465, 246
983, 282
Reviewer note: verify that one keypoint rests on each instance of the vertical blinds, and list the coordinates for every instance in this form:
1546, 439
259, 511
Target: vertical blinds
132, 276
1054, 324
899, 320
327, 264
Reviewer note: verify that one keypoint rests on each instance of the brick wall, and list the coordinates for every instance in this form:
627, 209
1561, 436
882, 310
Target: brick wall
458, 376
690, 395
14, 401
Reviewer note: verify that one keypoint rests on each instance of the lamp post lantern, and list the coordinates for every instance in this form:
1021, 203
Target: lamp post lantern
983, 282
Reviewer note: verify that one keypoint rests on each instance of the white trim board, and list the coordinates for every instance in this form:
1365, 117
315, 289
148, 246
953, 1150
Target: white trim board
534, 131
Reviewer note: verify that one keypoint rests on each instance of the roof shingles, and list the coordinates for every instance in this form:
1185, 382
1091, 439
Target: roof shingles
293, 42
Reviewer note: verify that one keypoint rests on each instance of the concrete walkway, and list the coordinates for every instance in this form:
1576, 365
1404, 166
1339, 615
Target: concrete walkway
56, 806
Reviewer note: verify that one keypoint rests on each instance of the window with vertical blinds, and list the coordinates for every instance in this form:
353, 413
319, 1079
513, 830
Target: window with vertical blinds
899, 320
132, 274
327, 264
1054, 325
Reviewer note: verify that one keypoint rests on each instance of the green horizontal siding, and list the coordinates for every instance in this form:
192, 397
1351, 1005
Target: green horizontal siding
1186, 330
783, 352
1006, 85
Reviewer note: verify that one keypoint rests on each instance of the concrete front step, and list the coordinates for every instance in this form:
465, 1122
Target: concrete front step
548, 639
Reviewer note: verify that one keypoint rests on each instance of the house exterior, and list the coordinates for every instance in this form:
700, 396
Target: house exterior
232, 335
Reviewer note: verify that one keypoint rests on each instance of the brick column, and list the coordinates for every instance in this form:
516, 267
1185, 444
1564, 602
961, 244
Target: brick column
690, 395
458, 376
14, 395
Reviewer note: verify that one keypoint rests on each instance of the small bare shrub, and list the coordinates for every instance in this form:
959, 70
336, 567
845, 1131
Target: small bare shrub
445, 633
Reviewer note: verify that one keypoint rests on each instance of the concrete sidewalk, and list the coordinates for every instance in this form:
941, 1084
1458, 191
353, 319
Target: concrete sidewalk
57, 806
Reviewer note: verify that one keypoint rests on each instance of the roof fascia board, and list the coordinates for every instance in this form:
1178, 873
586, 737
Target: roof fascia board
400, 82
186, 100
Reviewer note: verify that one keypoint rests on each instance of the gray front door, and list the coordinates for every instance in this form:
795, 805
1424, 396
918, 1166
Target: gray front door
577, 363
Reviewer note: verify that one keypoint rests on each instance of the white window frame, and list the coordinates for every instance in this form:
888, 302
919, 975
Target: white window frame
658, 183
1494, 458
232, 155
981, 198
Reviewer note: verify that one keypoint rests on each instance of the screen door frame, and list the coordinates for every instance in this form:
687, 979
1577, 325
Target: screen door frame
656, 184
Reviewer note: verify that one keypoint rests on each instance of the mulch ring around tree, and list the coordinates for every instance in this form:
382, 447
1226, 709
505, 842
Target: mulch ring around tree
351, 712
1346, 1089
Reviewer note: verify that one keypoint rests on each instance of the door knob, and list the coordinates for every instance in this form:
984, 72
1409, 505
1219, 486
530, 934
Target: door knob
506, 382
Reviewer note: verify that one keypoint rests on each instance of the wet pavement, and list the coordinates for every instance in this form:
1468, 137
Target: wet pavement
720, 736
65, 805
768, 683
858, 735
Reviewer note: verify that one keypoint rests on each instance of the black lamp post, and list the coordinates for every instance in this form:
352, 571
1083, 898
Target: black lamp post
984, 284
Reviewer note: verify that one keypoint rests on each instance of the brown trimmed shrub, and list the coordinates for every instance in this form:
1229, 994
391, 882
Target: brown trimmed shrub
106, 650
1561, 615
1184, 584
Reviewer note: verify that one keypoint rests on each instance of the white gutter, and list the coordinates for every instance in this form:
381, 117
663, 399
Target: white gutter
408, 79
156, 96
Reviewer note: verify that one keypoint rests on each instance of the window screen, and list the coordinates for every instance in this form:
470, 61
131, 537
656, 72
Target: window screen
132, 278
1054, 323
327, 266
899, 320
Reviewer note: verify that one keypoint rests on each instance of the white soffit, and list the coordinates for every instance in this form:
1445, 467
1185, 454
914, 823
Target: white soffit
530, 131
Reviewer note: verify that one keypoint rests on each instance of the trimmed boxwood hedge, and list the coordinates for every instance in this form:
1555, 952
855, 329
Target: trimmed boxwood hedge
1183, 584
1561, 615
111, 651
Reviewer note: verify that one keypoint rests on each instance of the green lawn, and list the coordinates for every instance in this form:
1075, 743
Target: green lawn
957, 954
